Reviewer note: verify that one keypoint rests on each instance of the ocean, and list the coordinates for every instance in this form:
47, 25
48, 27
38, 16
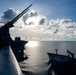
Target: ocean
37, 62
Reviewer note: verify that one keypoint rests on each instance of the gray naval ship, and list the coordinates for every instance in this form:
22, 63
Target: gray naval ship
11, 51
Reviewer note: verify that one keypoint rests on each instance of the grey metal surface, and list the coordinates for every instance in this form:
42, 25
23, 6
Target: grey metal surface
8, 62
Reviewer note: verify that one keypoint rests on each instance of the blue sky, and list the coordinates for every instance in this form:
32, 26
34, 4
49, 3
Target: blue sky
52, 9
53, 19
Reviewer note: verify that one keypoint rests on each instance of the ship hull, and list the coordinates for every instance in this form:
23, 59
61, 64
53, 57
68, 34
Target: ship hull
8, 62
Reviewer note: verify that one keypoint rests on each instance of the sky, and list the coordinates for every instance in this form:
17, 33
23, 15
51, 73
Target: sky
46, 19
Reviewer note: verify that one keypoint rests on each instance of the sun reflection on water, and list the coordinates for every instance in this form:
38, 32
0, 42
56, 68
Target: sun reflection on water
32, 44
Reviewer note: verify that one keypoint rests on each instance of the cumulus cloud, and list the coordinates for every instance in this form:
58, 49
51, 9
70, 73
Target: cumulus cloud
43, 21
37, 25
34, 18
54, 22
30, 18
9, 14
65, 23
33, 13
64, 27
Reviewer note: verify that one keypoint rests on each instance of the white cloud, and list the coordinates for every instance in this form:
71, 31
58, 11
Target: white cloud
35, 25
43, 21
54, 22
32, 21
33, 18
9, 14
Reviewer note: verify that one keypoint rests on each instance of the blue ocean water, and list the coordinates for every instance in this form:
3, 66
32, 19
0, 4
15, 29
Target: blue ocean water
36, 64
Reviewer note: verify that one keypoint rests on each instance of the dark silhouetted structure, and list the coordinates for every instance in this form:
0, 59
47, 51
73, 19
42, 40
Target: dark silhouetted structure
62, 64
18, 48
5, 39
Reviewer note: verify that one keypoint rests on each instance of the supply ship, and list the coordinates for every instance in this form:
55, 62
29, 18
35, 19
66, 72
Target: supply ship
62, 64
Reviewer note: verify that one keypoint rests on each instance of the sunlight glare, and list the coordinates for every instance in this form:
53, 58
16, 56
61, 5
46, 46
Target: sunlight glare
33, 20
32, 43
